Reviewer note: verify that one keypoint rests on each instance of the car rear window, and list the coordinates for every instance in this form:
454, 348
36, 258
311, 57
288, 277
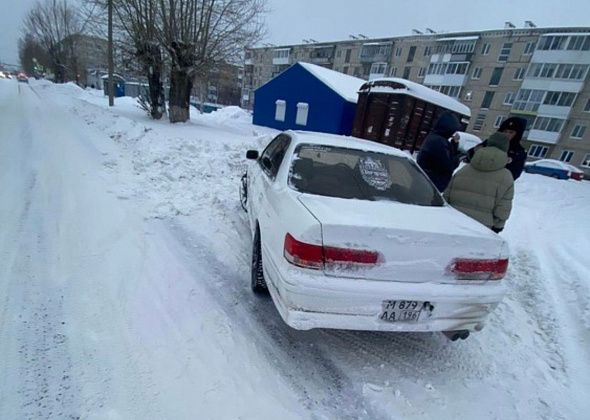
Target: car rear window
355, 174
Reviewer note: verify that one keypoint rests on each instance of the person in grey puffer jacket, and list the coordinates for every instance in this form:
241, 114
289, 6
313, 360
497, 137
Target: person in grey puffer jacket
484, 188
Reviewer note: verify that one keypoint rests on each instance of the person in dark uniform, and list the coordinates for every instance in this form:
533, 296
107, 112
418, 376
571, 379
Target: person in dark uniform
513, 128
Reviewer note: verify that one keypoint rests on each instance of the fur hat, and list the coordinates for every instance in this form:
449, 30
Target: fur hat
515, 124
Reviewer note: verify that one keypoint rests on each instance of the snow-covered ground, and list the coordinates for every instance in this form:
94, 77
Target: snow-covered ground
124, 287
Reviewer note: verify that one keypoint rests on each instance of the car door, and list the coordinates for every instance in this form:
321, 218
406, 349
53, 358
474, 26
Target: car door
265, 188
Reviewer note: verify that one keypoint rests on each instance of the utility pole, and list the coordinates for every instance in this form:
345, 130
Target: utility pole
111, 87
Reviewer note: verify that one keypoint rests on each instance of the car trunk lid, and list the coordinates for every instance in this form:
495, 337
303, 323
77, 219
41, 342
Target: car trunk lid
415, 243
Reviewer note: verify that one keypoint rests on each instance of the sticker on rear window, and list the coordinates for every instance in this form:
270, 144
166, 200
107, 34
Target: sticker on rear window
375, 173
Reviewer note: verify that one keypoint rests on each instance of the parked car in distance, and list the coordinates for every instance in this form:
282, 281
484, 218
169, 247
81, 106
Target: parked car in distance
467, 141
21, 77
351, 234
551, 167
575, 173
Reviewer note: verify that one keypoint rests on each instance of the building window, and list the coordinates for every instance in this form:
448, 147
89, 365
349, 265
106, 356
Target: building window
578, 132
398, 52
566, 156
407, 72
528, 100
427, 51
463, 47
579, 43
280, 110
476, 73
379, 68
422, 72
559, 98
302, 112
487, 100
587, 106
553, 125
456, 68
345, 70
393, 71
552, 43
586, 161
485, 49
452, 91
509, 98
411, 54
505, 52
530, 48
538, 151
339, 54
347, 58
519, 73
558, 71
498, 121
478, 123
496, 76
469, 95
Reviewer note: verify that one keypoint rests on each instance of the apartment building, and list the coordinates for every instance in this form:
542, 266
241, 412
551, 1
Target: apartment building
540, 74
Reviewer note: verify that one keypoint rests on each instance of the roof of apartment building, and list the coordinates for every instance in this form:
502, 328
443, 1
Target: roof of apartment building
443, 36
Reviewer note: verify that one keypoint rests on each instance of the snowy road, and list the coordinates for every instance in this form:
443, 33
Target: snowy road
124, 289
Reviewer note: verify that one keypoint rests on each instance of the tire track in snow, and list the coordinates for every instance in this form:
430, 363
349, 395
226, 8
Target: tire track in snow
321, 384
43, 381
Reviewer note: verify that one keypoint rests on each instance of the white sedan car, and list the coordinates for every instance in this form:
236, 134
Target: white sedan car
351, 234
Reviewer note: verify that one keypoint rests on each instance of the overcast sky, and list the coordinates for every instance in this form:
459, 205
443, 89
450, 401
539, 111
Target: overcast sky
290, 21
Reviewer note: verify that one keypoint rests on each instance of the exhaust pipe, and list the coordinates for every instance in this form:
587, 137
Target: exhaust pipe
455, 335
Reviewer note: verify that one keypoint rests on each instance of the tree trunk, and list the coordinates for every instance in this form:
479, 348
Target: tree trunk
157, 99
181, 85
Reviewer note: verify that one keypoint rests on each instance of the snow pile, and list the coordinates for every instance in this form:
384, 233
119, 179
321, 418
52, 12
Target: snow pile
230, 113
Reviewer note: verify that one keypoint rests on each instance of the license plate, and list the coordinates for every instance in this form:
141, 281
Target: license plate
401, 310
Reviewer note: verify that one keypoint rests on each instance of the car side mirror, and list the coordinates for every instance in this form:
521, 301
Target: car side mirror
252, 154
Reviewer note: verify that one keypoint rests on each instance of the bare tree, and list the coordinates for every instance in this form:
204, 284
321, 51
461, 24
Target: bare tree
139, 18
136, 25
32, 55
198, 34
53, 24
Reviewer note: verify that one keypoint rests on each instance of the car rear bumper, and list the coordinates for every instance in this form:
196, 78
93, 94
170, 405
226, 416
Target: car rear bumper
306, 300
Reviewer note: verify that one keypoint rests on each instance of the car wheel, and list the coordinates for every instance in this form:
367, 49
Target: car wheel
258, 283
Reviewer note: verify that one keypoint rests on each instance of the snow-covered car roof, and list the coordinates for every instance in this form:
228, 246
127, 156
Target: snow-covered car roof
467, 141
324, 139
559, 163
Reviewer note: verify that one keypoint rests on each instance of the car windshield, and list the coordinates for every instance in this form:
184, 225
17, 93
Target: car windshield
355, 174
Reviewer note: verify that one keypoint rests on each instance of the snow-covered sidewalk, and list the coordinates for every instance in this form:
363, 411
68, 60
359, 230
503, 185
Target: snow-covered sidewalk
124, 288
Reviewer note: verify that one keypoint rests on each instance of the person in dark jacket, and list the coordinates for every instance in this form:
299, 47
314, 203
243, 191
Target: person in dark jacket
513, 128
439, 156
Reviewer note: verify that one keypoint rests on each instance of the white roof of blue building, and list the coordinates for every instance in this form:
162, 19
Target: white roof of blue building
343, 84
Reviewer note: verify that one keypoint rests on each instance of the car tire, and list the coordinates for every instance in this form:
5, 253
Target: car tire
258, 283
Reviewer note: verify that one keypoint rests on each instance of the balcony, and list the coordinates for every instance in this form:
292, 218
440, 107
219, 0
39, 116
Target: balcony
539, 136
375, 52
281, 57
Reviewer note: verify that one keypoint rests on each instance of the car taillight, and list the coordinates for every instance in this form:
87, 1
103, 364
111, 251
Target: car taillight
317, 257
470, 269
302, 254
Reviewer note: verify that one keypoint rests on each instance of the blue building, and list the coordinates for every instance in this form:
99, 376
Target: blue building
308, 97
